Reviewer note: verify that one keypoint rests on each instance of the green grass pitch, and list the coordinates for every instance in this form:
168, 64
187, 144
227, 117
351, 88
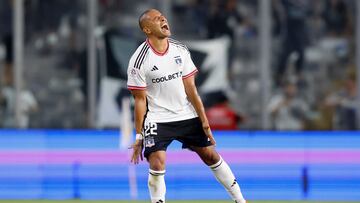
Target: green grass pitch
128, 201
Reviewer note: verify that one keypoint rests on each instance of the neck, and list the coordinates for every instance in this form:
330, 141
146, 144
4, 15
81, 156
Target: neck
160, 45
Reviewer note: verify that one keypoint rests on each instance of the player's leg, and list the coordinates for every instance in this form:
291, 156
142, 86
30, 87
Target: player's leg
221, 170
195, 139
156, 180
158, 136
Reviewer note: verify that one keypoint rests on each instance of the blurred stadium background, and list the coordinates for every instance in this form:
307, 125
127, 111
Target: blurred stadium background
278, 78
84, 201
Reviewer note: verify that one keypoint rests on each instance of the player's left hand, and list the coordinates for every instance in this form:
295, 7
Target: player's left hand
207, 130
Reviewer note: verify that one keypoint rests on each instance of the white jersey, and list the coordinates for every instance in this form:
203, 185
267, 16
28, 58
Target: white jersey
161, 75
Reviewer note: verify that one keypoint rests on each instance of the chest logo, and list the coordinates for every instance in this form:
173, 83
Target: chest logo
178, 60
154, 68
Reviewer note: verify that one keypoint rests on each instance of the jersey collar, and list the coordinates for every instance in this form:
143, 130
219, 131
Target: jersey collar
156, 52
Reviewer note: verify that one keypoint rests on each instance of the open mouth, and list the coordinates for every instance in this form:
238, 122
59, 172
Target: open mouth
165, 27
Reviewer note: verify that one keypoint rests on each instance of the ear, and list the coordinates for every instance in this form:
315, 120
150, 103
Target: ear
146, 30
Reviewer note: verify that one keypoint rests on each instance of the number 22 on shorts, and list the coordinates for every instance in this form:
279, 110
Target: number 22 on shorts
150, 131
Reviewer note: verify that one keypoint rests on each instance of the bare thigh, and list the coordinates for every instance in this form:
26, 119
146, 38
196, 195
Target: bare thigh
207, 154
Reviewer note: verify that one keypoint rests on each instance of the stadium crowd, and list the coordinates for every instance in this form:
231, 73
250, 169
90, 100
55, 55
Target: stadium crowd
313, 63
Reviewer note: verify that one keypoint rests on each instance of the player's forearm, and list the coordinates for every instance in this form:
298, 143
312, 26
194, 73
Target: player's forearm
139, 114
194, 98
196, 101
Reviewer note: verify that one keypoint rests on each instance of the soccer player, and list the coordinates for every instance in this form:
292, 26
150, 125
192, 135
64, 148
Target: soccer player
168, 107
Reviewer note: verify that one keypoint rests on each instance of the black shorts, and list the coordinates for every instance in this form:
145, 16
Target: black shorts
158, 136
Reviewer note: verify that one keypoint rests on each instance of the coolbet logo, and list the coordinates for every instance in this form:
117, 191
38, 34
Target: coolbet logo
167, 78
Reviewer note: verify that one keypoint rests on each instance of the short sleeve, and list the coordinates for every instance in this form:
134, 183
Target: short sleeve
136, 77
189, 66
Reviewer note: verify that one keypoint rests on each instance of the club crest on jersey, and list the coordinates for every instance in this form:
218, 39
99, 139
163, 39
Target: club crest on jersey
178, 60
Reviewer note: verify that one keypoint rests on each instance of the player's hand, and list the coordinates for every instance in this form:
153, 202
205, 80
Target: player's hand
207, 130
137, 151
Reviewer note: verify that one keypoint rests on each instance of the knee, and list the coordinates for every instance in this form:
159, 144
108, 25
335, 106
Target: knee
157, 163
211, 157
157, 166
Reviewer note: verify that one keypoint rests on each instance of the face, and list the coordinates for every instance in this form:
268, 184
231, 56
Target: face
156, 24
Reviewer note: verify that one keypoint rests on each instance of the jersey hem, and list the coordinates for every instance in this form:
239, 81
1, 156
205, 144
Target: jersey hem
182, 118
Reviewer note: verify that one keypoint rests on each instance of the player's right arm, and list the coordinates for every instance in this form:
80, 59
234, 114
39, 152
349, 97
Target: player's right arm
137, 85
139, 114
